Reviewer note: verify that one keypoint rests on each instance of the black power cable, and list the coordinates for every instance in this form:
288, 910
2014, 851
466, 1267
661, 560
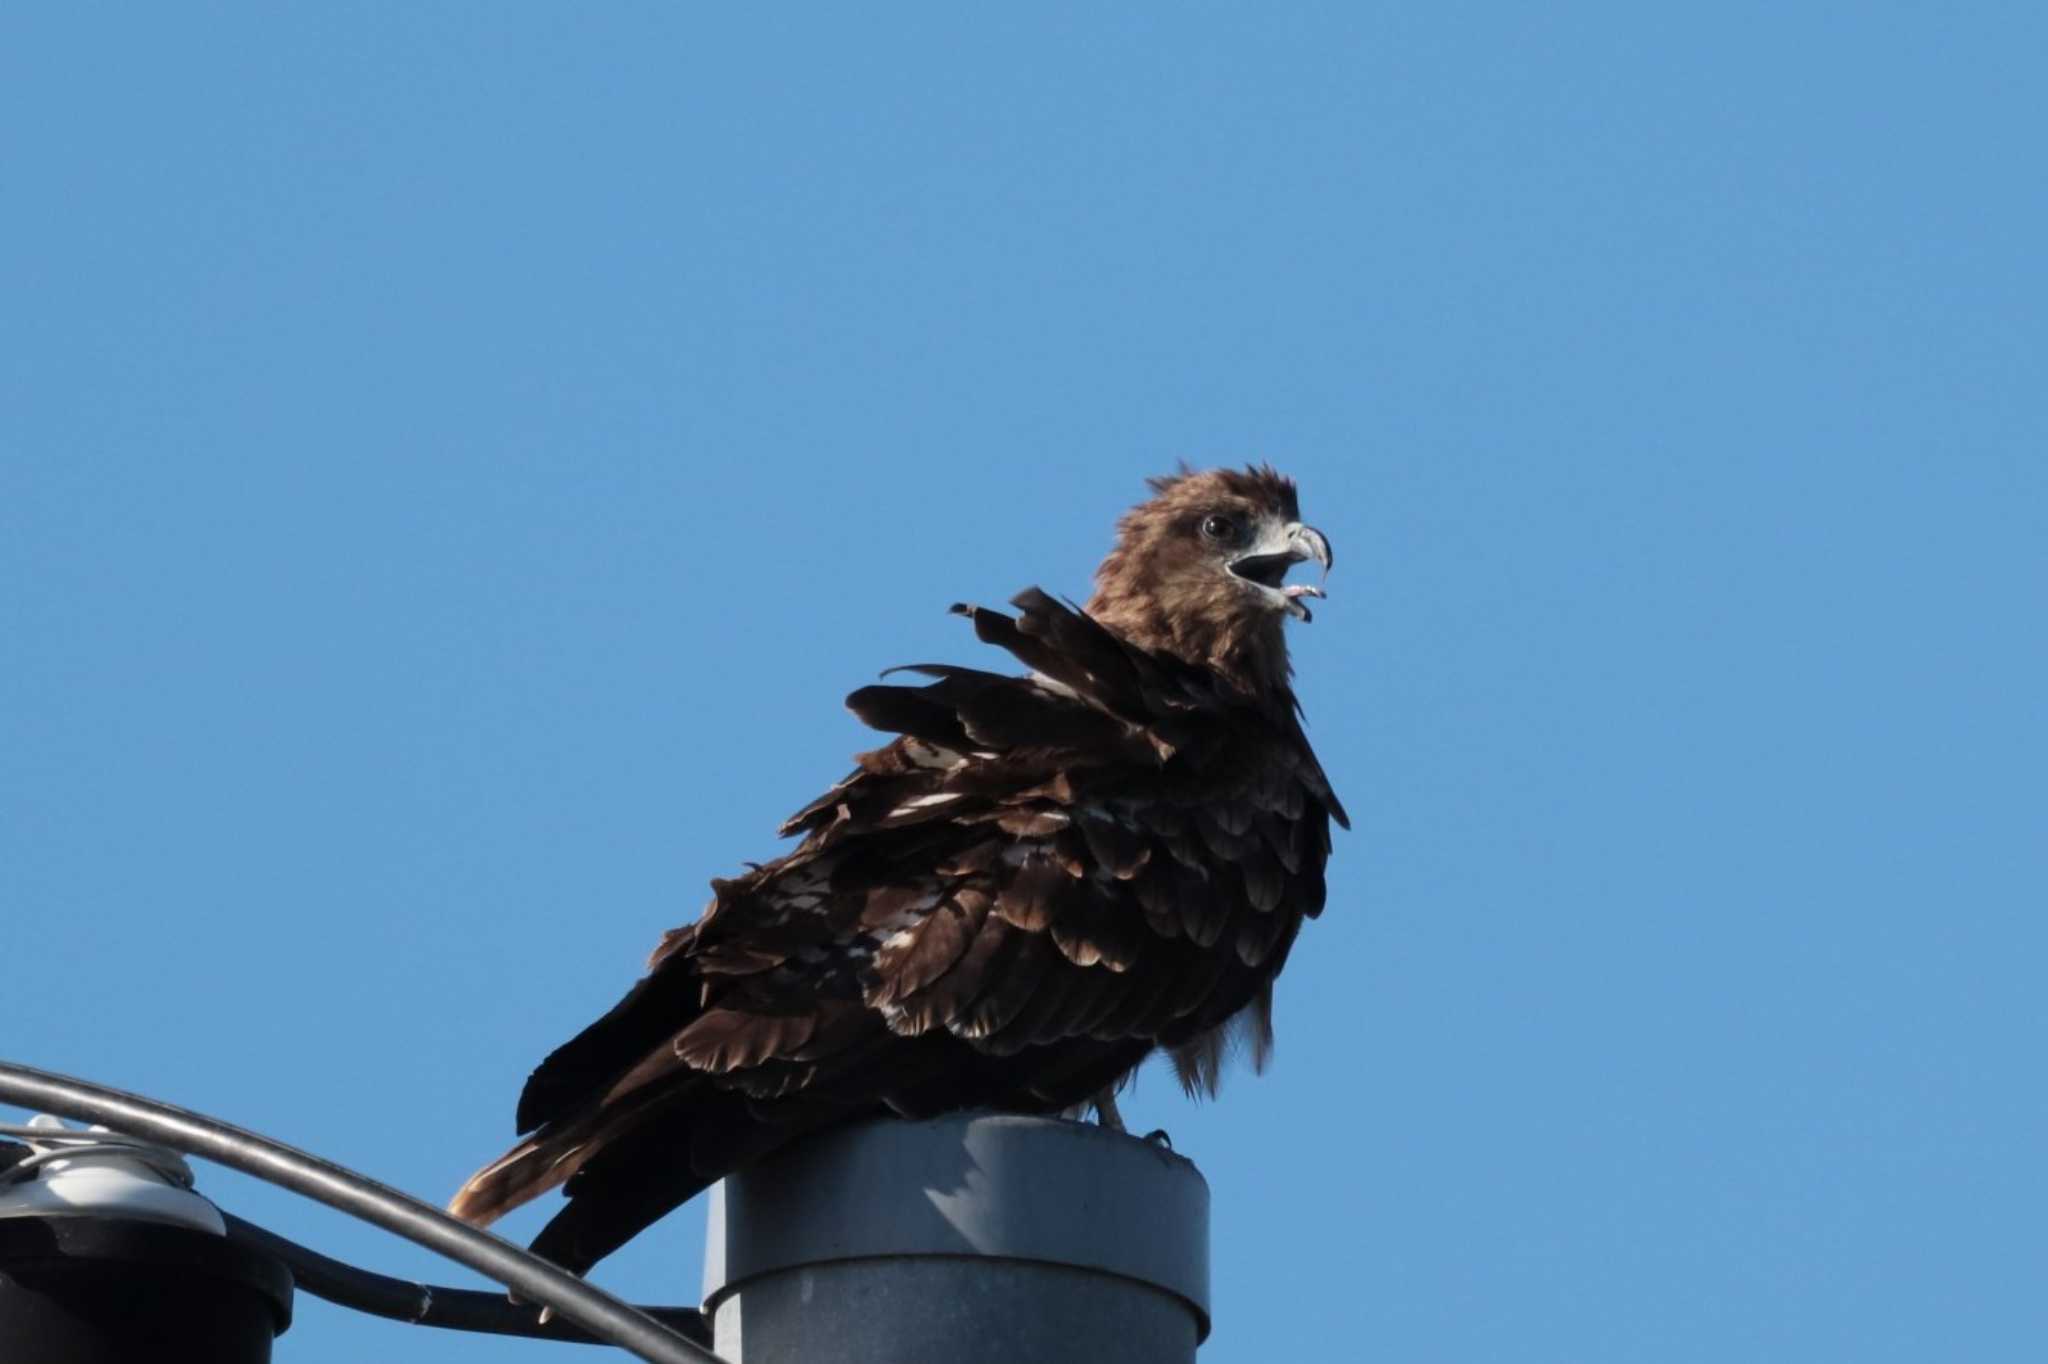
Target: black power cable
426, 1304
337, 1281
532, 1278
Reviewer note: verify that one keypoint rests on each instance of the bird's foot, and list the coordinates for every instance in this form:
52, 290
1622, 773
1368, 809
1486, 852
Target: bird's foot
1106, 1114
1157, 1137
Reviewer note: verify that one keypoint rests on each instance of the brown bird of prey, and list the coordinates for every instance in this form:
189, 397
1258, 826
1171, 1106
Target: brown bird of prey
1038, 883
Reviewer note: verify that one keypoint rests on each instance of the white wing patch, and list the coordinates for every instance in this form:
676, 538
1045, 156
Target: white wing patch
925, 802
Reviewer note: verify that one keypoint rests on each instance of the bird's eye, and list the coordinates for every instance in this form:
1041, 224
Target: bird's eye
1219, 528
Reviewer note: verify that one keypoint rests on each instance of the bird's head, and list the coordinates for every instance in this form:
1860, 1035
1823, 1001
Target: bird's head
1199, 571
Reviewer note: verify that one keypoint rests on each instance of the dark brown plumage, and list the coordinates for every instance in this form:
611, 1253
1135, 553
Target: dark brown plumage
1039, 882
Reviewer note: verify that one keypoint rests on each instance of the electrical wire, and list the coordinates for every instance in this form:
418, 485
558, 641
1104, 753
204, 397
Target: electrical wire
195, 1134
323, 1276
426, 1304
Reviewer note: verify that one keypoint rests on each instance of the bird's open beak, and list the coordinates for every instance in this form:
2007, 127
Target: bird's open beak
1280, 550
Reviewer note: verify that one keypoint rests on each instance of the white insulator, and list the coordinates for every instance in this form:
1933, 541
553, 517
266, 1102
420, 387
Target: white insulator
109, 1176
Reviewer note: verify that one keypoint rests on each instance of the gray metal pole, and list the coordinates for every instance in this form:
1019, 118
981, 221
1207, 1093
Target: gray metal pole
987, 1238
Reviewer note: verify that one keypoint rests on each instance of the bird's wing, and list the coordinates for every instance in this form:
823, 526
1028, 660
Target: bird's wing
1009, 904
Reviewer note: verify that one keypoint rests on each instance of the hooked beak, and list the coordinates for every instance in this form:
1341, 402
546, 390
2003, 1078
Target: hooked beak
1269, 560
1312, 544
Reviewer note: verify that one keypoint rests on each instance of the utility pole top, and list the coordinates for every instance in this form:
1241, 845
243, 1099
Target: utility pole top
997, 1238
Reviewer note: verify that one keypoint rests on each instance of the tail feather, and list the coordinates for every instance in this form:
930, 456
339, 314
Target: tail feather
640, 1172
523, 1173
658, 1006
546, 1160
625, 1165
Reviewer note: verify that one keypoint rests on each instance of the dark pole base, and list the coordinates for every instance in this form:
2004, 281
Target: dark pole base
94, 1290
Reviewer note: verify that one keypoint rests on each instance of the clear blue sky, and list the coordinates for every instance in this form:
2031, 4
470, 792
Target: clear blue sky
457, 456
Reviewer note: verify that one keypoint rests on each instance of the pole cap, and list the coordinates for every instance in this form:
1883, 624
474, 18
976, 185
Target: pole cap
1001, 1186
